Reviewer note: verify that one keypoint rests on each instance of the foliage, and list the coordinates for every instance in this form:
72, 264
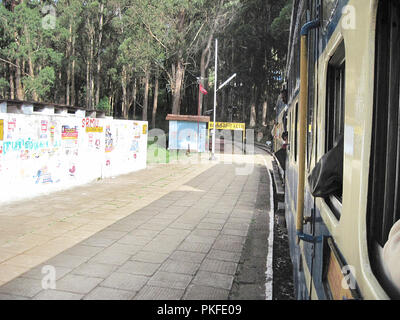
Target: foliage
104, 105
99, 53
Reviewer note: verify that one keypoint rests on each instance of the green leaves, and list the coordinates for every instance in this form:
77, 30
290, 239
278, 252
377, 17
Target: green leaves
41, 85
99, 49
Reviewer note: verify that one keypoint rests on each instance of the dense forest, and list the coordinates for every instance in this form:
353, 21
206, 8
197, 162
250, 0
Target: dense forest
143, 59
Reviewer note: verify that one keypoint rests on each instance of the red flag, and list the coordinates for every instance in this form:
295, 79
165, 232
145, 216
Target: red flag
202, 90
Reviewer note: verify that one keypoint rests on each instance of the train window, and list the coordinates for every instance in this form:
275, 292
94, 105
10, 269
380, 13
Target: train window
335, 108
384, 178
335, 98
385, 167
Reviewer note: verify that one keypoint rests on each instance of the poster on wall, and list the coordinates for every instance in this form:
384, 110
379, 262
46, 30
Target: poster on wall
69, 133
43, 129
1, 130
109, 141
12, 124
136, 130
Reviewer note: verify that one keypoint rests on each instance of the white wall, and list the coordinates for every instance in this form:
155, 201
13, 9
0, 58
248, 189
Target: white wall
45, 153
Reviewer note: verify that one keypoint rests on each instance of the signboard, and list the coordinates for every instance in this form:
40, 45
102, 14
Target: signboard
94, 129
227, 126
1, 130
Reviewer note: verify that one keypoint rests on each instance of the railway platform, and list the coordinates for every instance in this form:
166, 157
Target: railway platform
171, 232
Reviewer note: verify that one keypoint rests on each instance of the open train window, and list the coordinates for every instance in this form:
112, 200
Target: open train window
384, 177
335, 108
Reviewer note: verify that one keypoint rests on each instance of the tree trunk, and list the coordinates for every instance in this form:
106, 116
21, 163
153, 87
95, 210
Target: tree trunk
98, 54
73, 102
223, 103
134, 92
253, 110
177, 87
203, 75
155, 102
146, 95
264, 113
89, 68
124, 93
30, 62
68, 57
12, 89
18, 82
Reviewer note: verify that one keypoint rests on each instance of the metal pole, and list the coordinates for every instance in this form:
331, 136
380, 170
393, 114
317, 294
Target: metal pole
215, 99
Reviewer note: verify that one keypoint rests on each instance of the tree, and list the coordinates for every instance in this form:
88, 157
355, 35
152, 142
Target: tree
105, 54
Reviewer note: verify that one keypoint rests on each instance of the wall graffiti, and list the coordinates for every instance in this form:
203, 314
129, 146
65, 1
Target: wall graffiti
41, 154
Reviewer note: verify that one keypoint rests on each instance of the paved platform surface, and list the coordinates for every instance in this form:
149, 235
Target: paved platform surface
179, 235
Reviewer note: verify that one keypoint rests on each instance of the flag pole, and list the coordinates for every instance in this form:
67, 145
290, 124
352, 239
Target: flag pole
198, 121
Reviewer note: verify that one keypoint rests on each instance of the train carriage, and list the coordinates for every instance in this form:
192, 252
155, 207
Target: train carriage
343, 76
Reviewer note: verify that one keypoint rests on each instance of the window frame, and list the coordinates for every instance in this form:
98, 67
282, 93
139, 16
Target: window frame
335, 108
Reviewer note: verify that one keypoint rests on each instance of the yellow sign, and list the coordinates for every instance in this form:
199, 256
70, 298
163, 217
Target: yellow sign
227, 126
1, 130
94, 129
144, 128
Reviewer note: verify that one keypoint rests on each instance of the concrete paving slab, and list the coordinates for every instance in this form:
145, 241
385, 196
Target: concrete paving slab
224, 255
195, 247
159, 293
110, 258
36, 273
83, 251
125, 281
102, 293
67, 261
78, 283
96, 270
184, 267
170, 280
219, 266
197, 292
22, 287
57, 295
186, 256
139, 268
152, 257
212, 279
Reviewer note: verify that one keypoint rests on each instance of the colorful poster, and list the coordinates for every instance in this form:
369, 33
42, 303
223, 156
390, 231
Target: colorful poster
109, 140
1, 130
136, 130
69, 133
135, 146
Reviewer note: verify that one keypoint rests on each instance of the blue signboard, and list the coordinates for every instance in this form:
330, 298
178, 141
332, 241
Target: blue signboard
185, 135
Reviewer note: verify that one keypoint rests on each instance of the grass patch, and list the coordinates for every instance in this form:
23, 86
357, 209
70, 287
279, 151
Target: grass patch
157, 154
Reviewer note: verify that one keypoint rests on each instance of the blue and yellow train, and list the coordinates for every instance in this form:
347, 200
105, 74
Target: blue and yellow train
342, 180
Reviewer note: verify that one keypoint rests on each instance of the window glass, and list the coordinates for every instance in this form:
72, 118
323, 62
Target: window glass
335, 108
384, 197
384, 182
